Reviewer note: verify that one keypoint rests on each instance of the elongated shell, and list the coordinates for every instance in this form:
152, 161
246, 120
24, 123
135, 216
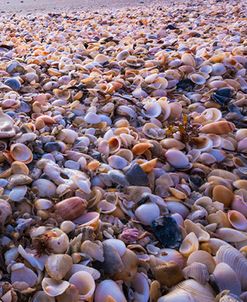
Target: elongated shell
225, 278
231, 235
235, 260
71, 208
189, 291
220, 127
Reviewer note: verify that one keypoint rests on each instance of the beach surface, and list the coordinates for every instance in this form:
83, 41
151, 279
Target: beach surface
23, 6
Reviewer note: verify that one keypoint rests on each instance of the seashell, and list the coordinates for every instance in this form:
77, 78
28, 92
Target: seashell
172, 143
7, 129
130, 263
225, 278
20, 152
177, 159
67, 226
219, 127
237, 220
18, 193
153, 131
126, 154
89, 219
240, 205
240, 134
240, 184
197, 230
58, 265
231, 235
168, 274
141, 148
169, 255
71, 208
242, 145
41, 296
108, 291
151, 109
114, 144
18, 167
155, 292
197, 78
71, 294
136, 176
106, 207
177, 193
54, 288
58, 241
189, 245
117, 162
85, 284
45, 187
188, 59
122, 55
148, 166
197, 271
189, 291
93, 250
21, 273
204, 258
212, 245
68, 136
231, 256
147, 213
5, 211
223, 194
177, 207
101, 59
220, 218
141, 288
19, 180
80, 267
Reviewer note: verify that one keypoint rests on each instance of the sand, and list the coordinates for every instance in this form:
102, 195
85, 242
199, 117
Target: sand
22, 6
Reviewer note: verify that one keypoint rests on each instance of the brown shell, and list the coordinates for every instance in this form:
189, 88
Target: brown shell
71, 208
221, 127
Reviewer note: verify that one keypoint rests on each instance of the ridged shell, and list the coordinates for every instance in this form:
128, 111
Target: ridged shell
202, 257
235, 260
197, 271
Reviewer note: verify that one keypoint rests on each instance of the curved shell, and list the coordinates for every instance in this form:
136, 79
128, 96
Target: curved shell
197, 271
88, 219
5, 211
196, 228
141, 287
177, 159
151, 109
189, 245
85, 284
225, 278
189, 291
57, 266
147, 213
107, 291
237, 220
231, 235
153, 131
54, 288
202, 257
20, 152
231, 256
6, 126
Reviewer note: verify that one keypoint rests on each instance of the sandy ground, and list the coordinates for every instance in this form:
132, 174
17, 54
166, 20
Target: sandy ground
23, 6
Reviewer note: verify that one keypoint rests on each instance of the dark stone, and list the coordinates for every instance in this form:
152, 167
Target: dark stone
167, 231
186, 85
52, 146
136, 176
222, 96
171, 26
13, 83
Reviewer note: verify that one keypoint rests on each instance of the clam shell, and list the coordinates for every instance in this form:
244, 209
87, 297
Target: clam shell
54, 288
231, 256
204, 258
147, 213
177, 159
168, 274
88, 219
57, 266
141, 148
231, 235
189, 245
85, 284
197, 271
223, 194
237, 220
226, 279
108, 289
21, 273
20, 152
41, 296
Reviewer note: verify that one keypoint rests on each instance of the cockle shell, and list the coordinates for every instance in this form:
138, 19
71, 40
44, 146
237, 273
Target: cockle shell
189, 291
240, 205
231, 256
220, 127
151, 109
223, 194
197, 229
168, 255
71, 208
93, 250
197, 271
108, 289
237, 220
202, 257
85, 284
225, 278
153, 131
58, 265
20, 152
54, 288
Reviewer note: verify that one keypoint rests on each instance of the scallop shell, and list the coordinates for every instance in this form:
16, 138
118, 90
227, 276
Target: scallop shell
197, 271
231, 256
189, 291
71, 208
20, 152
226, 279
202, 257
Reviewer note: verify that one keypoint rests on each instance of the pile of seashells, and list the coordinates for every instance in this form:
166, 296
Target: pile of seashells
123, 155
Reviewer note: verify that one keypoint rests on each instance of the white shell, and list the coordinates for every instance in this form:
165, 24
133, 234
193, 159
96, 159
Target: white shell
108, 289
54, 288
147, 213
85, 284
